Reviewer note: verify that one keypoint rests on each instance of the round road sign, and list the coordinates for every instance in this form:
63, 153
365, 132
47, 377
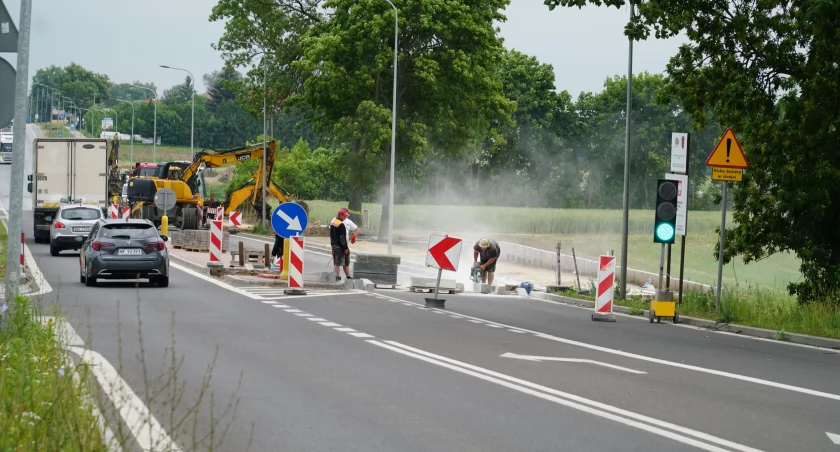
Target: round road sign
165, 199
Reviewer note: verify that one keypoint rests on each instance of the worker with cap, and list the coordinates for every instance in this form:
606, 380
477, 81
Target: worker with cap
352, 229
488, 250
339, 244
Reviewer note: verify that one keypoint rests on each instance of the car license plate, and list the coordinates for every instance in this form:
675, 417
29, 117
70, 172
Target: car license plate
129, 251
82, 229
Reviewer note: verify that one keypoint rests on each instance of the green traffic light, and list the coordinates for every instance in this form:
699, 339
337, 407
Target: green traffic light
665, 232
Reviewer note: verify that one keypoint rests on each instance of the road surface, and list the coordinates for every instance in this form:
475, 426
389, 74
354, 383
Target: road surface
378, 372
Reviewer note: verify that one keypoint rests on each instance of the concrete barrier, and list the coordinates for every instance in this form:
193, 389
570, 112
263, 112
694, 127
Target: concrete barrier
535, 257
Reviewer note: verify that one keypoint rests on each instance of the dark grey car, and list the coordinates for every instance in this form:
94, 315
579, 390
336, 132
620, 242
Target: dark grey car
124, 249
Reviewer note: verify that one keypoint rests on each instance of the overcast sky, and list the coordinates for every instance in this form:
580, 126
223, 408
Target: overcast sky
128, 40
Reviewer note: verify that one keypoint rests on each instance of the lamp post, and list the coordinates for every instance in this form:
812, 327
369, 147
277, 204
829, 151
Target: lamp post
131, 158
393, 133
625, 219
154, 134
192, 95
265, 144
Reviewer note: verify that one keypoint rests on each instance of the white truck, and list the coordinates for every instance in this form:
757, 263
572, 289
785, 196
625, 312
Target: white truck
66, 170
6, 137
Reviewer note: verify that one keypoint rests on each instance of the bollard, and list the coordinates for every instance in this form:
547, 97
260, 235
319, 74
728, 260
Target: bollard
267, 256
284, 272
558, 270
21, 249
164, 225
215, 243
296, 267
241, 253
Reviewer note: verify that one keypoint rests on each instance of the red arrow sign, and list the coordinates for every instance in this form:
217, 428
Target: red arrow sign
438, 253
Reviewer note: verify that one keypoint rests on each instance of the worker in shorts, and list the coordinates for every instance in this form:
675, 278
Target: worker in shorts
339, 243
352, 229
488, 250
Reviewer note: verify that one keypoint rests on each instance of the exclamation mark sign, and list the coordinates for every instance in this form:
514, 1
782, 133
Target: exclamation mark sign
728, 148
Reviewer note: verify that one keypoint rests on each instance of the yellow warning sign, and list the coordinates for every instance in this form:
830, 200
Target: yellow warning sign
728, 153
729, 174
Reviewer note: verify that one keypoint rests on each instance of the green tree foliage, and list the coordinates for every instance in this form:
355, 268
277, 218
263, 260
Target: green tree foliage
768, 70
84, 87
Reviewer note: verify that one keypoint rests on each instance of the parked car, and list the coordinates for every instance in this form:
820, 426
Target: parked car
72, 225
124, 249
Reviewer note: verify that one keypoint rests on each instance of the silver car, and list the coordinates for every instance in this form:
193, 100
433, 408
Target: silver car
72, 225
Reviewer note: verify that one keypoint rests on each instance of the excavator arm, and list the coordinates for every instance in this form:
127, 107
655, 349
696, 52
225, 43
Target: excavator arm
218, 159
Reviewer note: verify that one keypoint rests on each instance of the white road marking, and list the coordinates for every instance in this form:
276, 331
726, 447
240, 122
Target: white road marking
570, 400
345, 330
317, 319
516, 331
360, 334
292, 310
278, 306
328, 324
149, 433
719, 373
835, 438
569, 360
282, 306
492, 325
303, 314
268, 302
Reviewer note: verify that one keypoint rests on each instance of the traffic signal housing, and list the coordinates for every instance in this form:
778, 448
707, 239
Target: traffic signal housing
665, 222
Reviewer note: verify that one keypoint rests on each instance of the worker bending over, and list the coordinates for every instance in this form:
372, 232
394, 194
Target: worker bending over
488, 250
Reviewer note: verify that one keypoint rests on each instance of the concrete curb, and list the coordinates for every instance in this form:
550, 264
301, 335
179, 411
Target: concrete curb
796, 338
188, 263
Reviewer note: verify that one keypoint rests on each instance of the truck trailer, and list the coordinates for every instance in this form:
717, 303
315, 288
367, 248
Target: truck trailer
66, 170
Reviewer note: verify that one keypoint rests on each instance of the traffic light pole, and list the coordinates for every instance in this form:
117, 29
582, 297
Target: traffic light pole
668, 270
661, 265
720, 249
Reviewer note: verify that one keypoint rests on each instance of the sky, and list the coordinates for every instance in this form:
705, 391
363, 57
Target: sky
129, 39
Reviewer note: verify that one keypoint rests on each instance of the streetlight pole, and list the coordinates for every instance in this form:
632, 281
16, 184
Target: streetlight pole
192, 127
393, 133
132, 127
626, 204
154, 134
265, 122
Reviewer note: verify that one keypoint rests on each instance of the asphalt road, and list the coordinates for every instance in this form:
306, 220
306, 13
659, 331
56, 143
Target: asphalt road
378, 372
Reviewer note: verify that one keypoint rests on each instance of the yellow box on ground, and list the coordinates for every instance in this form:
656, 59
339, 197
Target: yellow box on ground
663, 308
732, 174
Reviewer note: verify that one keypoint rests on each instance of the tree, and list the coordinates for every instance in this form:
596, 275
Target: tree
768, 70
222, 86
126, 91
179, 94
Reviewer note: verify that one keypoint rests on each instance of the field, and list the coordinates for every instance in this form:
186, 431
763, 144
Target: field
146, 152
589, 232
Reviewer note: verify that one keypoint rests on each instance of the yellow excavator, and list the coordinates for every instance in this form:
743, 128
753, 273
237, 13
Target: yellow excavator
186, 180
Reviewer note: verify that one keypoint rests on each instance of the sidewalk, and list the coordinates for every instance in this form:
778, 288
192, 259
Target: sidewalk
415, 256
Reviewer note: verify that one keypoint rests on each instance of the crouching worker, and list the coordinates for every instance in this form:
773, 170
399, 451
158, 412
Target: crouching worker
488, 250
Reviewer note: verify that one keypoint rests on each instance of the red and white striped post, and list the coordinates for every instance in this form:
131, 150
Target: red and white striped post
215, 244
21, 249
126, 212
605, 288
296, 246
114, 211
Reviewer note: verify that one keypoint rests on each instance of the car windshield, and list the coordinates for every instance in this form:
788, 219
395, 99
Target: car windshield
147, 171
81, 213
128, 231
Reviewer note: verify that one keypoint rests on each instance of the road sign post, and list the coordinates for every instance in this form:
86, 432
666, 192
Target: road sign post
295, 267
728, 163
288, 220
605, 290
444, 253
165, 200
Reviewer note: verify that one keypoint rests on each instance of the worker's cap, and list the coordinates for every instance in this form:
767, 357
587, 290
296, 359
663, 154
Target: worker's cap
483, 243
344, 212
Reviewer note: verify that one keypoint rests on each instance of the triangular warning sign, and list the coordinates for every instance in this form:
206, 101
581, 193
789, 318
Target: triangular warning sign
728, 153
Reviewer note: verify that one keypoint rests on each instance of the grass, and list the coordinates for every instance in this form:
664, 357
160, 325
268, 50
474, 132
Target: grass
146, 152
590, 232
750, 306
4, 237
43, 403
52, 132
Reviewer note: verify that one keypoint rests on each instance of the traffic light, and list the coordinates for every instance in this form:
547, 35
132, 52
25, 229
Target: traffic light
665, 222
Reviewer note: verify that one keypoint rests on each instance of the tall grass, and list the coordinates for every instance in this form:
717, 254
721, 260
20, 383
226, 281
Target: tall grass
42, 405
515, 220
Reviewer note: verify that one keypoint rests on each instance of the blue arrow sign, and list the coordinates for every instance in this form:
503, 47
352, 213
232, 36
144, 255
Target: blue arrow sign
288, 220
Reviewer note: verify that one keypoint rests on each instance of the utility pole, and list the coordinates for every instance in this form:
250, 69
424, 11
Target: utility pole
13, 267
625, 219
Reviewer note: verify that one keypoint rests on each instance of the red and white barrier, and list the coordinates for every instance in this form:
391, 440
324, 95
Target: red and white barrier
606, 281
216, 241
21, 249
235, 219
114, 211
296, 266
126, 212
